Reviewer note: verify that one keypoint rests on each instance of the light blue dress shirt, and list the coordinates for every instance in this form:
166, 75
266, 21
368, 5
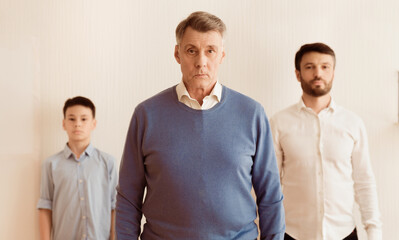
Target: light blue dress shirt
80, 192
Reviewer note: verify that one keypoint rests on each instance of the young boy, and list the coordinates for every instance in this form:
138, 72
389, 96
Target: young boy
77, 195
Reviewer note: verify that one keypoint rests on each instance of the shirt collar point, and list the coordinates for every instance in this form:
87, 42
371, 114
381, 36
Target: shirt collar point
68, 152
89, 150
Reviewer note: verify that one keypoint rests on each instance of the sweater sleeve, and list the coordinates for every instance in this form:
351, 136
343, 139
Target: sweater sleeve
266, 182
130, 190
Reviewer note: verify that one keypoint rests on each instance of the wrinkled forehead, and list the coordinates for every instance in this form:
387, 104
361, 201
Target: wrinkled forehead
208, 38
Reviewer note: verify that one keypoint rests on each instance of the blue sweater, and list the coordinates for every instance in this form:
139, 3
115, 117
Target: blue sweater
199, 168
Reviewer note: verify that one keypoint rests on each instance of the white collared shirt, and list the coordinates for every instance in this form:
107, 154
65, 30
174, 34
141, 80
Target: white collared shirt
207, 103
324, 167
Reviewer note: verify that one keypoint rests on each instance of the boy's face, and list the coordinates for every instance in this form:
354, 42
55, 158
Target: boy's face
78, 123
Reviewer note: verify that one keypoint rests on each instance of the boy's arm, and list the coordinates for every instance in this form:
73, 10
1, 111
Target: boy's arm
114, 181
45, 224
45, 202
112, 234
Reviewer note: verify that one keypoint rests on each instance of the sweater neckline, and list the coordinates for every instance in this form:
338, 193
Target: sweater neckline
200, 111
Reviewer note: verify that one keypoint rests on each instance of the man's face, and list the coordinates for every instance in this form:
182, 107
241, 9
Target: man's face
199, 55
316, 73
78, 123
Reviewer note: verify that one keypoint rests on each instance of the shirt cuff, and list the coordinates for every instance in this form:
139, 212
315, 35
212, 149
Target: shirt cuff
374, 234
44, 204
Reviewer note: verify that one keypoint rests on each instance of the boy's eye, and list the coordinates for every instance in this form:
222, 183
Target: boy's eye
71, 119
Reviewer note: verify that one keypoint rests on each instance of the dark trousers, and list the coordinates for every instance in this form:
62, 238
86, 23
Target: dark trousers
352, 236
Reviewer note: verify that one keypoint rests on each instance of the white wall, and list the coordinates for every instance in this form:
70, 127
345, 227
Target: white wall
119, 53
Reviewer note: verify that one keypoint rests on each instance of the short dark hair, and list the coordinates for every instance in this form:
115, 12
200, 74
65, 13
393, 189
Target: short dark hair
79, 100
201, 22
312, 47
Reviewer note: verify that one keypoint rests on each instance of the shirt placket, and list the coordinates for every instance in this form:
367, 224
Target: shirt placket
82, 197
320, 177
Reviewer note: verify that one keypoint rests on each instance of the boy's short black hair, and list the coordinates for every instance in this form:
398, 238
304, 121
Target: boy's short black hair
312, 47
79, 100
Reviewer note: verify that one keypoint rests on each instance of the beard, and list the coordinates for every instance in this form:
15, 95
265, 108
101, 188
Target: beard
315, 91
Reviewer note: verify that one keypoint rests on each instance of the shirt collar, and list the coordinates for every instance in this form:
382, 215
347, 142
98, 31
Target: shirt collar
68, 152
181, 91
332, 106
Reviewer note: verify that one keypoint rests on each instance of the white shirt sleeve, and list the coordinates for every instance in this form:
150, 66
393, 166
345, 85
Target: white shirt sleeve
365, 186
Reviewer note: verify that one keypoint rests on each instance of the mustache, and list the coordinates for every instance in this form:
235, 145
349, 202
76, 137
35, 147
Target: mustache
317, 79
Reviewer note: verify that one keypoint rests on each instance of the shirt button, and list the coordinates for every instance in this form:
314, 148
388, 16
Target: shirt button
82, 198
84, 235
80, 180
84, 217
78, 164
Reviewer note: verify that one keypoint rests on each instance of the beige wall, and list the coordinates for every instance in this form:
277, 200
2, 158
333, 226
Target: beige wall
119, 53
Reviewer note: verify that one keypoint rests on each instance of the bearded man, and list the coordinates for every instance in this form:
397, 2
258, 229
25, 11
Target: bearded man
323, 158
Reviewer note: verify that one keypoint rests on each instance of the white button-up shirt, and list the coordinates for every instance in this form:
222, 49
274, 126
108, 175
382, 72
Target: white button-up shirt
324, 167
207, 103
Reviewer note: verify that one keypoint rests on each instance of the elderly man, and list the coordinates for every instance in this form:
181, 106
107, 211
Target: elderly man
323, 157
198, 148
